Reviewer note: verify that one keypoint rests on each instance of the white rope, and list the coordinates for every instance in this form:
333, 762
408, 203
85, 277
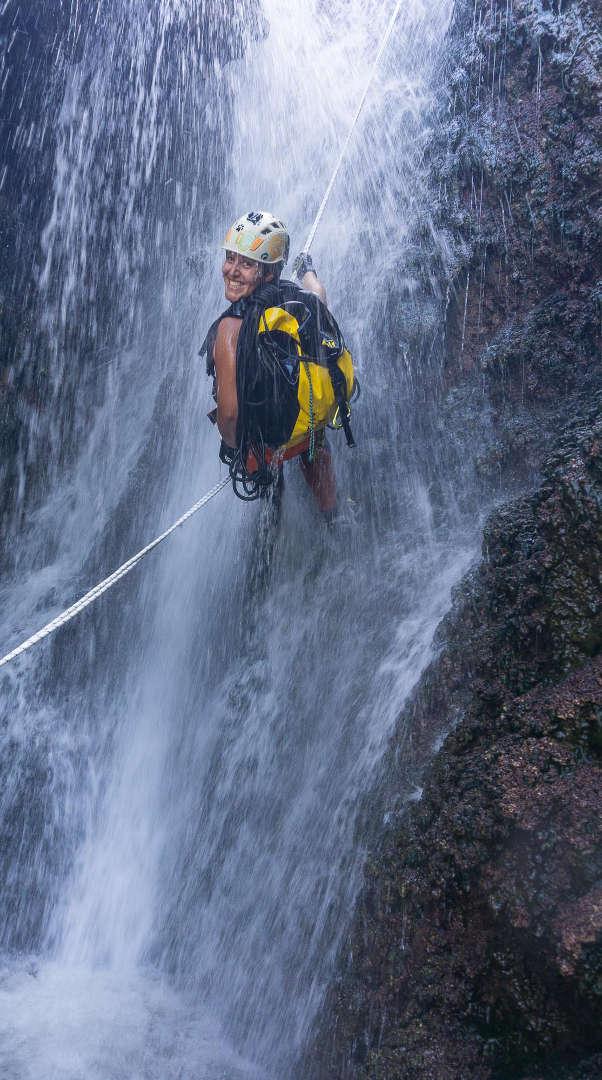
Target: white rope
383, 45
113, 578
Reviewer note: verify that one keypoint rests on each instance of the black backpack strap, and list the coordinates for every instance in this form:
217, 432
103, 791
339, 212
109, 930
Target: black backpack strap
237, 311
339, 386
208, 346
330, 347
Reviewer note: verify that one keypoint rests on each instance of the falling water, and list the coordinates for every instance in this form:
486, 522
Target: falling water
188, 769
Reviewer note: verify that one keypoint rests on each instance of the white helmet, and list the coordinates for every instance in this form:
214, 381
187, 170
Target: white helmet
259, 235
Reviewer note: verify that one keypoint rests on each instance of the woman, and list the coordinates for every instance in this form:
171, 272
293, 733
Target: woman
256, 250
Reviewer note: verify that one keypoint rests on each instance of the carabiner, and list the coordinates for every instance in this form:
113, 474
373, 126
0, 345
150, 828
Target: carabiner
336, 421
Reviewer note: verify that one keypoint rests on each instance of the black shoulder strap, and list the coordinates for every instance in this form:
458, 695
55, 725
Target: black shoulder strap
208, 346
326, 344
236, 310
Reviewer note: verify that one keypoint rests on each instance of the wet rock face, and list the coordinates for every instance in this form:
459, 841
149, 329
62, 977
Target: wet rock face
525, 174
518, 168
477, 946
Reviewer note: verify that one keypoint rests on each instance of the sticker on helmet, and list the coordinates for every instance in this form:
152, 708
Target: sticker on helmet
243, 241
276, 247
254, 217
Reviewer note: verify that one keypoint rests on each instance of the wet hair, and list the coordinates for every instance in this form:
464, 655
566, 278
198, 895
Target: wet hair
273, 268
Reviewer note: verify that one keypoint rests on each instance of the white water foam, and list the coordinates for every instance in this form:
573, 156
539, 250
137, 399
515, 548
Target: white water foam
60, 1023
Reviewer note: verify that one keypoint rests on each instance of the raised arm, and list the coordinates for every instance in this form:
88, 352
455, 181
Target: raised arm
303, 267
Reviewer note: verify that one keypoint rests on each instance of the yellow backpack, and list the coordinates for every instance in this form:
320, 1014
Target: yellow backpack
294, 376
288, 337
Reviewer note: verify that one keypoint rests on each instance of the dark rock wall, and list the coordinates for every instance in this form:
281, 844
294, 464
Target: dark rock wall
476, 948
517, 164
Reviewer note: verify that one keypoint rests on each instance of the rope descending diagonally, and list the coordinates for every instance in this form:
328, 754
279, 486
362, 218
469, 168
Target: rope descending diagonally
113, 578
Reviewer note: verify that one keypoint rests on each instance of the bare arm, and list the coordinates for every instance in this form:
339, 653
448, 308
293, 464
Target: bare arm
224, 355
312, 284
303, 270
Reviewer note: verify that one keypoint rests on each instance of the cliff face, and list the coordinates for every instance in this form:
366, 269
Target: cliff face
517, 166
475, 952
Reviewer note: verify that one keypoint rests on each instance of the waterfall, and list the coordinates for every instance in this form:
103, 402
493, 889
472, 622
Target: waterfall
189, 769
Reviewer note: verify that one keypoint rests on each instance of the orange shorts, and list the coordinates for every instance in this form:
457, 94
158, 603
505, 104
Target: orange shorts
319, 473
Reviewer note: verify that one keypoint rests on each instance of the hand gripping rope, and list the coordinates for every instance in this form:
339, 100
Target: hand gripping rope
121, 572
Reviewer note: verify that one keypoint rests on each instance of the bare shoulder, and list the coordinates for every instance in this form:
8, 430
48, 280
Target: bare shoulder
227, 332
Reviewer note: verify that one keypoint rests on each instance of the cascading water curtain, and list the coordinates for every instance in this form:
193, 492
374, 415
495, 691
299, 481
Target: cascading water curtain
188, 768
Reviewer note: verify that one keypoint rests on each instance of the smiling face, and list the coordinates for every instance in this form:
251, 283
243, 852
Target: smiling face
242, 276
